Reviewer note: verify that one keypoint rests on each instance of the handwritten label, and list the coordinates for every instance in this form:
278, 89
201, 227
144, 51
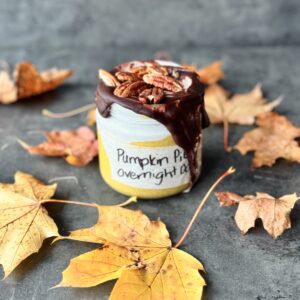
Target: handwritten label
146, 167
158, 168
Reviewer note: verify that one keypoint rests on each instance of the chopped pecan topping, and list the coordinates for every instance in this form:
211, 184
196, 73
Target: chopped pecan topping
148, 81
164, 82
126, 76
152, 95
156, 69
121, 88
108, 79
139, 71
130, 89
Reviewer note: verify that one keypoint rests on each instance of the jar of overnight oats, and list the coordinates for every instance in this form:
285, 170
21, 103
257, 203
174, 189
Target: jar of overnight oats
150, 118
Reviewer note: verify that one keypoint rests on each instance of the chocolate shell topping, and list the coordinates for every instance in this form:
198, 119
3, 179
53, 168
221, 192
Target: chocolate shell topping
183, 113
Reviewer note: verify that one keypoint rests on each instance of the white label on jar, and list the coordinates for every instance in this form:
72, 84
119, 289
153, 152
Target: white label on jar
146, 167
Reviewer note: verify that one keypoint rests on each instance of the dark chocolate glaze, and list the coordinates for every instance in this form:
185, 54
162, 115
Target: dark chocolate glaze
182, 113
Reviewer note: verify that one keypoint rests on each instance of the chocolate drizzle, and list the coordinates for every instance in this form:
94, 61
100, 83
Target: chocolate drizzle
182, 113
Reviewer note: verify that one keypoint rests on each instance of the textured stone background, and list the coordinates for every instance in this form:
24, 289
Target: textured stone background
258, 41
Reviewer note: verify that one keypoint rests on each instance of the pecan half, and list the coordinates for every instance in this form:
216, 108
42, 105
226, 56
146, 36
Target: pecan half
126, 76
139, 71
164, 82
129, 89
156, 69
121, 88
108, 79
152, 95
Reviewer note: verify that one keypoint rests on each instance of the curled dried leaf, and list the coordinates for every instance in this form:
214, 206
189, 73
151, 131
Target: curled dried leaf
274, 213
30, 82
273, 139
8, 90
78, 147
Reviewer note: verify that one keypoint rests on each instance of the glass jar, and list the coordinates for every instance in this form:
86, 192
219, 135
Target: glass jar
138, 156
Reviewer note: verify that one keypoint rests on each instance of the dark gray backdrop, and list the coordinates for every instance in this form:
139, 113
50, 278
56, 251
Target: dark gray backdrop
258, 41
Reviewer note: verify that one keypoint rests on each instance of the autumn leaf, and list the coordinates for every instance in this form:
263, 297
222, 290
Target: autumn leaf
8, 91
274, 213
27, 82
138, 252
24, 222
273, 139
209, 74
78, 147
239, 109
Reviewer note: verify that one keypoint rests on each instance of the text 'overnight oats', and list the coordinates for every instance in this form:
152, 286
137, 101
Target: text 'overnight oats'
150, 118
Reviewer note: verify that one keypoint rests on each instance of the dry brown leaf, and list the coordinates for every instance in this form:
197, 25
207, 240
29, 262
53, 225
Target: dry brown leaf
239, 109
209, 74
8, 91
30, 82
274, 213
27, 82
24, 222
273, 139
78, 147
138, 252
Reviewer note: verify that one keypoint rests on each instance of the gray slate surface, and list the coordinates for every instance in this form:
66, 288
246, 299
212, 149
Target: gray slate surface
258, 41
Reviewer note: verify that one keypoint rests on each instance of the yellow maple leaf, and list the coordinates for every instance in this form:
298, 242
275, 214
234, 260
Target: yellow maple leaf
138, 252
24, 222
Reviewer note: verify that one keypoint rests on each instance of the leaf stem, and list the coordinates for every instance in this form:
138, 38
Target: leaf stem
188, 228
68, 202
226, 134
68, 114
130, 200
